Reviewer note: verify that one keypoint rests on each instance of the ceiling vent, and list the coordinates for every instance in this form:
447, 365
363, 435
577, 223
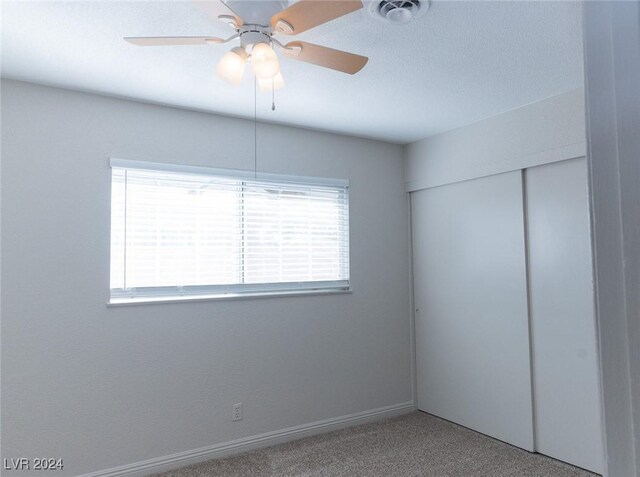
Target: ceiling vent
398, 12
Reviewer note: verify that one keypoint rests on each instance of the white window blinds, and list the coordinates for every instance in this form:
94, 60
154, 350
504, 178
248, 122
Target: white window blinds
187, 231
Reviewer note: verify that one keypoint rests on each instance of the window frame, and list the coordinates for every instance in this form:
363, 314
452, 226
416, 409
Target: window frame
172, 294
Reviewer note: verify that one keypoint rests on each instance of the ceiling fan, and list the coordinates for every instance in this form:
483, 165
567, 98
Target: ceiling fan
255, 23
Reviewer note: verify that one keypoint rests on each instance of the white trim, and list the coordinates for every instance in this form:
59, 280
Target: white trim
412, 307
126, 295
538, 133
180, 459
150, 300
526, 161
235, 173
611, 34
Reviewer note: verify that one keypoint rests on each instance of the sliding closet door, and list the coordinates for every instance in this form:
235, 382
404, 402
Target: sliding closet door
566, 389
472, 340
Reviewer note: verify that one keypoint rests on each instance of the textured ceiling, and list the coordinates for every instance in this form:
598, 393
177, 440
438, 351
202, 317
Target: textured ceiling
461, 62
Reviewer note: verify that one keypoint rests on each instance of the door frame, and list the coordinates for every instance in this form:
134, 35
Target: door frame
611, 32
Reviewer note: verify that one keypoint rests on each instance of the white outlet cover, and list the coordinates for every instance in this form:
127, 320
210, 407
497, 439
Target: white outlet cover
237, 412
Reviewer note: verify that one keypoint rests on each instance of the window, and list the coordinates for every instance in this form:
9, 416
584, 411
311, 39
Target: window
181, 231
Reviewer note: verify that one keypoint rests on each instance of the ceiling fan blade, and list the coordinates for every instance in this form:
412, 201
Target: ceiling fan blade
214, 9
173, 40
327, 57
306, 14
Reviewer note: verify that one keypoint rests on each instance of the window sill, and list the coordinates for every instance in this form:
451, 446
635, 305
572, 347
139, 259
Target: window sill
155, 300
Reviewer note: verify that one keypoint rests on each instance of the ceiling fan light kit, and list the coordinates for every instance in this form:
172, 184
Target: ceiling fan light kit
256, 22
232, 65
265, 62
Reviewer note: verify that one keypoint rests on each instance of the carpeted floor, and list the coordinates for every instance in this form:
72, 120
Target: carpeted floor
415, 444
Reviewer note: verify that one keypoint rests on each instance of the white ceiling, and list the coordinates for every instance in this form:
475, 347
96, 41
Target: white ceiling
461, 62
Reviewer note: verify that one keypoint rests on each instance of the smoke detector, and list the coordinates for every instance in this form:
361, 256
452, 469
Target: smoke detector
398, 12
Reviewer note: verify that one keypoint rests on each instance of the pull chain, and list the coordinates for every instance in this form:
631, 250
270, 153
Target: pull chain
273, 94
255, 128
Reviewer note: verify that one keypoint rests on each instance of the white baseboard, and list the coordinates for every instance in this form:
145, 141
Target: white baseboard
180, 459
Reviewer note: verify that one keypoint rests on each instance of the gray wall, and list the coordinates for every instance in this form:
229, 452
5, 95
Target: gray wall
103, 387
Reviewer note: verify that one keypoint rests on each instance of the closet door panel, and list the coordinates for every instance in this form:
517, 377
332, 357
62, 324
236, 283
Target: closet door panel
472, 340
566, 388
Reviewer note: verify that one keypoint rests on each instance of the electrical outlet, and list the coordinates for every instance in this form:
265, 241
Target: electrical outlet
236, 415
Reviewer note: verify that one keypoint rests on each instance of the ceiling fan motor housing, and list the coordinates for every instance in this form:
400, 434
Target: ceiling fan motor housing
251, 35
256, 12
398, 12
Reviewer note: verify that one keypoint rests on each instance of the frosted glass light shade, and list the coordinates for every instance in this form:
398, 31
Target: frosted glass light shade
265, 62
277, 82
231, 66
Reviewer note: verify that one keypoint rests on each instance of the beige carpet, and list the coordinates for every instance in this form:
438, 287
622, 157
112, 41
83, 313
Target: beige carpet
415, 444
